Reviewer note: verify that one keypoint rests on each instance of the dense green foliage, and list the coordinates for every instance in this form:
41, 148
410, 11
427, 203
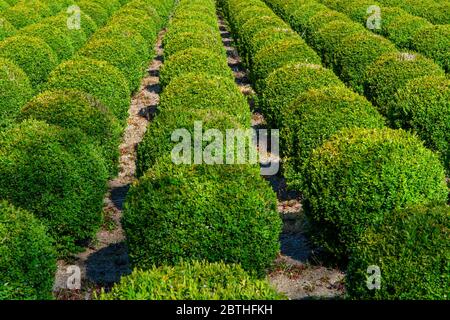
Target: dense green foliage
28, 262
192, 281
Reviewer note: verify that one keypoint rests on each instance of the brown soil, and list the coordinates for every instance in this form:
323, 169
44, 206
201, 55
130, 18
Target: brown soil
106, 258
297, 272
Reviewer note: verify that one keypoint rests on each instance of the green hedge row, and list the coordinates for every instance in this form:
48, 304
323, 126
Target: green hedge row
437, 12
371, 64
405, 30
219, 213
352, 171
55, 160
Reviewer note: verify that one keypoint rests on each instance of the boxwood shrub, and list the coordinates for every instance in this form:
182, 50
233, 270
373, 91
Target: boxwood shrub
411, 248
15, 90
204, 91
7, 29
151, 9
423, 105
194, 60
434, 41
391, 72
157, 141
195, 16
56, 39
21, 15
356, 52
359, 176
28, 263
118, 54
197, 280
32, 55
278, 54
77, 36
185, 40
313, 118
94, 10
213, 212
96, 78
56, 175
285, 84
72, 109
147, 30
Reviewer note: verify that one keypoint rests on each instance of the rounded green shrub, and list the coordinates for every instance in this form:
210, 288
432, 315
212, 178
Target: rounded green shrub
72, 109
434, 42
285, 84
77, 36
257, 24
356, 52
278, 54
313, 118
150, 9
204, 91
21, 15
15, 90
28, 263
185, 40
120, 55
359, 176
192, 281
6, 29
267, 37
97, 78
423, 105
56, 39
391, 72
110, 6
158, 143
147, 30
126, 35
94, 10
195, 16
32, 55
56, 175
179, 26
214, 212
194, 60
322, 18
301, 14
327, 39
412, 250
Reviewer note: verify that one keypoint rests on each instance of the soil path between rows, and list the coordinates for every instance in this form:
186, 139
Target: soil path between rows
106, 258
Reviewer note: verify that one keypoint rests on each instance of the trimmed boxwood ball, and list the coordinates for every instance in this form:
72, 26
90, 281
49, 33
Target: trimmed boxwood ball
267, 37
197, 280
56, 39
411, 248
194, 26
120, 55
257, 24
299, 16
32, 55
285, 84
356, 52
126, 35
278, 54
77, 36
97, 78
391, 72
326, 40
205, 91
58, 176
423, 105
28, 263
6, 29
185, 40
71, 109
94, 10
214, 212
15, 90
434, 42
150, 9
147, 30
21, 15
194, 60
313, 118
359, 176
158, 143
195, 16
110, 6
322, 18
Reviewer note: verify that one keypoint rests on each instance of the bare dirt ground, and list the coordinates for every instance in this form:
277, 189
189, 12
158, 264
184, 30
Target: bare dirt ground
106, 258
297, 272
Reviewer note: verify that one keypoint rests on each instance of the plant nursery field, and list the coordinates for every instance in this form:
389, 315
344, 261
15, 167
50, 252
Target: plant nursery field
224, 150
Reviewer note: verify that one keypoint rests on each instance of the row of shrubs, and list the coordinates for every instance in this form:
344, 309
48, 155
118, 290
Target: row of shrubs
409, 89
438, 12
355, 174
403, 29
57, 157
197, 226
